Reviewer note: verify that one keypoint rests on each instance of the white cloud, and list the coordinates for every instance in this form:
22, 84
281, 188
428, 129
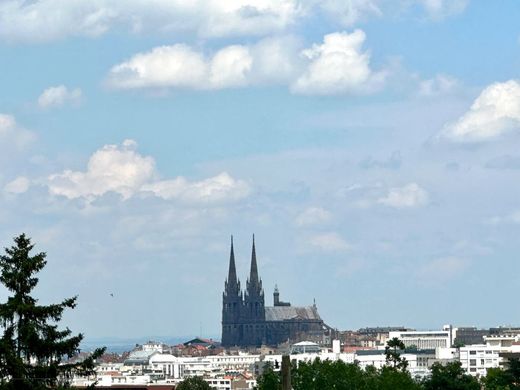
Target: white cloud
329, 242
214, 189
120, 169
349, 12
439, 9
438, 85
495, 112
335, 67
410, 195
39, 21
230, 66
58, 96
13, 135
338, 66
313, 216
276, 60
179, 66
17, 186
165, 66
113, 168
270, 61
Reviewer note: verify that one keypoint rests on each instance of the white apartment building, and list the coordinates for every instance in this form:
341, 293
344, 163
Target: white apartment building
427, 339
476, 359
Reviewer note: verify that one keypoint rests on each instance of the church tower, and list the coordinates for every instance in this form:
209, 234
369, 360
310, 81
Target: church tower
254, 305
232, 305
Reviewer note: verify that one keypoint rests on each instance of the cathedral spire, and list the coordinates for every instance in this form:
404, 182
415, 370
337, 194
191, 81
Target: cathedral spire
232, 274
253, 276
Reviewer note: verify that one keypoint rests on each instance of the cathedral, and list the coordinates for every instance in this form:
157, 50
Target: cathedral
248, 322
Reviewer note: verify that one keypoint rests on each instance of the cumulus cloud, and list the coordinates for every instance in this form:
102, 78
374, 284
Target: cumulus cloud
329, 242
495, 112
270, 61
58, 96
408, 196
335, 67
38, 21
17, 186
13, 134
313, 216
113, 168
122, 170
338, 66
180, 66
214, 189
230, 66
166, 66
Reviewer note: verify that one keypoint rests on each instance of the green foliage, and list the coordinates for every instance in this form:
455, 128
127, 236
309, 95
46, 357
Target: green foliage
450, 377
393, 354
269, 380
499, 379
193, 383
32, 347
338, 375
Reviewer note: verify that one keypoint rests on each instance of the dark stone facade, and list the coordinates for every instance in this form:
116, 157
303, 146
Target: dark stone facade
247, 322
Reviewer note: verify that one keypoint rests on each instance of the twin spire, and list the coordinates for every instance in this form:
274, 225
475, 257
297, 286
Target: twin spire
253, 280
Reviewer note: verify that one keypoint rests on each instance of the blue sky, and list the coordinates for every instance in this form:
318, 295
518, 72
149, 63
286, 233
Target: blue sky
372, 146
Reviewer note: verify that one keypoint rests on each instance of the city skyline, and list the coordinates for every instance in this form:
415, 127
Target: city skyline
371, 146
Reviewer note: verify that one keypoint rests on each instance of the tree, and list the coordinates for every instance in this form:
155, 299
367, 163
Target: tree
393, 354
450, 377
32, 348
193, 383
269, 379
503, 379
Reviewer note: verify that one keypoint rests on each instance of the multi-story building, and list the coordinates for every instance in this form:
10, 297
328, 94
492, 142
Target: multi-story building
427, 339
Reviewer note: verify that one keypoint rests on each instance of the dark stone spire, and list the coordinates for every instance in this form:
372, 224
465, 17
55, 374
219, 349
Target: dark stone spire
232, 274
232, 283
253, 276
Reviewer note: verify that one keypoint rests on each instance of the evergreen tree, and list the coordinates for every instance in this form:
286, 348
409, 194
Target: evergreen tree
393, 354
32, 348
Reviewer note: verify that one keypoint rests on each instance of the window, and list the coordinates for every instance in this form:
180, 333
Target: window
472, 352
472, 362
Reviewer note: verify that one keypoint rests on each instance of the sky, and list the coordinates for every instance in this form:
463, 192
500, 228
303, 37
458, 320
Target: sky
372, 147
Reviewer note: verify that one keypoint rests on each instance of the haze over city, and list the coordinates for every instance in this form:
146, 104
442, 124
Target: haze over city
371, 147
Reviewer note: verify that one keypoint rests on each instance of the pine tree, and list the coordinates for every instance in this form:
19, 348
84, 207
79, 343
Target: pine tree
32, 348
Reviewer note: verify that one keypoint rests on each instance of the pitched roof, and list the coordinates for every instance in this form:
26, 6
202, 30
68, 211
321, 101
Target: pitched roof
281, 313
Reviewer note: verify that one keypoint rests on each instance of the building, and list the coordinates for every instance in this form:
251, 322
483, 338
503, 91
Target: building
429, 339
478, 358
248, 322
469, 336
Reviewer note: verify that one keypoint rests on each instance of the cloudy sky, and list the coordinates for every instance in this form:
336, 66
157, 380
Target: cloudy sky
372, 146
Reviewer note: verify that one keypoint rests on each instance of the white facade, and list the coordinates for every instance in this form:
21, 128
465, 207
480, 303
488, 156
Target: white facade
429, 339
476, 359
